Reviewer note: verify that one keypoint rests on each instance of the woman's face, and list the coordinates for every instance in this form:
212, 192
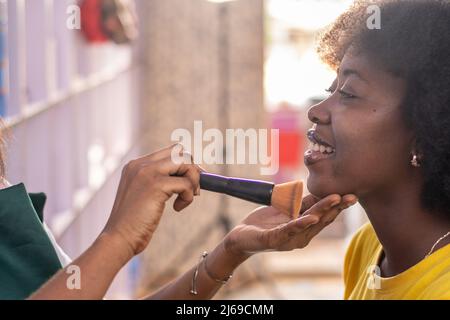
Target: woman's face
366, 145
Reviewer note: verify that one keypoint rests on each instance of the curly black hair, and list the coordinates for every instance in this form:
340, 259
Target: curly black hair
413, 43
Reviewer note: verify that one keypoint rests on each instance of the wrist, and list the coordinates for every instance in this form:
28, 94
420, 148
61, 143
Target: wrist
231, 250
116, 245
226, 259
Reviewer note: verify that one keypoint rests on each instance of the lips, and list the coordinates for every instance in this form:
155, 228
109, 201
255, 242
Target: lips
319, 149
316, 139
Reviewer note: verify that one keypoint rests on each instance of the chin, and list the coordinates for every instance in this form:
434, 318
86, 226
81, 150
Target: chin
322, 187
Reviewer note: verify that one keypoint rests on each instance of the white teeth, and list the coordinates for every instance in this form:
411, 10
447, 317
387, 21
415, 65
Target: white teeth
319, 148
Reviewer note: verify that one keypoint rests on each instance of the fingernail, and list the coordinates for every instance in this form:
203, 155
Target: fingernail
313, 223
335, 203
355, 201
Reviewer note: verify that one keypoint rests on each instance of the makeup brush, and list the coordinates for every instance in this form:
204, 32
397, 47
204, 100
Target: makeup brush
285, 197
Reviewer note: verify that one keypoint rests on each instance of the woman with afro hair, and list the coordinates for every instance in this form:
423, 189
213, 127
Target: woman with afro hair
387, 122
381, 136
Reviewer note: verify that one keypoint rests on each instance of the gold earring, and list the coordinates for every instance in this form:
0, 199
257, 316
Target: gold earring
415, 161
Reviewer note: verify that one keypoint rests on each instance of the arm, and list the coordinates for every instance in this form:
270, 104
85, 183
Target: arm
98, 267
264, 230
145, 187
136, 215
220, 263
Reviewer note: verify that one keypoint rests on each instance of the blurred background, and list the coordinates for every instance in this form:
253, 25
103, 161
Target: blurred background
80, 98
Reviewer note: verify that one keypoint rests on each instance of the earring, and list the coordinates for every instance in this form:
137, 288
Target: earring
415, 161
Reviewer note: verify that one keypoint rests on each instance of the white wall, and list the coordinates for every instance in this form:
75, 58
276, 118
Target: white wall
73, 113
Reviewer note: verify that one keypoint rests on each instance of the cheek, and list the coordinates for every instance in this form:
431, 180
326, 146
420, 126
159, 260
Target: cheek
354, 156
370, 153
337, 175
357, 166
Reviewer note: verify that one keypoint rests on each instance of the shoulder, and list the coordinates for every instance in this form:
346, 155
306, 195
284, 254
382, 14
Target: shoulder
363, 244
438, 276
365, 236
439, 289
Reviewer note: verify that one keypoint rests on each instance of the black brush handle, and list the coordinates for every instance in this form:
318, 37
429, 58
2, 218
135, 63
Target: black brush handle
259, 192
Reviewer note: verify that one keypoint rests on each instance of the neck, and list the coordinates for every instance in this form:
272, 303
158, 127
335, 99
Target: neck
405, 229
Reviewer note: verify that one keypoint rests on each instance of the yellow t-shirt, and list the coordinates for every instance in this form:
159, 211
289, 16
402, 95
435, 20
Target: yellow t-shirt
427, 280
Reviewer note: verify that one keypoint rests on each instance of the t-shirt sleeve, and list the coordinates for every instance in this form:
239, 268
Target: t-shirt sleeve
438, 290
353, 261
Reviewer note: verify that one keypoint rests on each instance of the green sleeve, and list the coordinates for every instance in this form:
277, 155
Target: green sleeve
27, 257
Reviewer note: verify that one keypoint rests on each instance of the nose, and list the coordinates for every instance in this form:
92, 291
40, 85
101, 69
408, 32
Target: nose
319, 114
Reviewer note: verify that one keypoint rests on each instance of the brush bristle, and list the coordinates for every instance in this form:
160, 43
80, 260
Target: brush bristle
287, 198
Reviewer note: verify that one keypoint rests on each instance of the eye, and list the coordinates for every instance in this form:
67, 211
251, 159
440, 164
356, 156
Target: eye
330, 90
346, 95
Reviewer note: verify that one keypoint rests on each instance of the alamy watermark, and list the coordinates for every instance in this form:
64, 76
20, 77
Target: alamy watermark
374, 20
73, 21
374, 278
74, 280
235, 146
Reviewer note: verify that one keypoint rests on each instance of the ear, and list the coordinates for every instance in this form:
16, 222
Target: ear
415, 147
416, 153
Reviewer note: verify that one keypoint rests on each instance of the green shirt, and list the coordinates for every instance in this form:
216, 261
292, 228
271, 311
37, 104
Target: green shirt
27, 257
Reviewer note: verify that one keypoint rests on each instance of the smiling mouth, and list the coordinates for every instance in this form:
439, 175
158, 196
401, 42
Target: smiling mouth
319, 149
317, 144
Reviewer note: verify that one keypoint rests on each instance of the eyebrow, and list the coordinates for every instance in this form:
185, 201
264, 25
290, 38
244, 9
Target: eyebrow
349, 72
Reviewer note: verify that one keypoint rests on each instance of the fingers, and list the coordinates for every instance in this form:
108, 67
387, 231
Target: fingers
331, 200
181, 186
348, 201
179, 156
331, 204
173, 161
308, 202
328, 216
175, 152
163, 153
184, 179
158, 167
323, 206
299, 225
297, 230
185, 169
